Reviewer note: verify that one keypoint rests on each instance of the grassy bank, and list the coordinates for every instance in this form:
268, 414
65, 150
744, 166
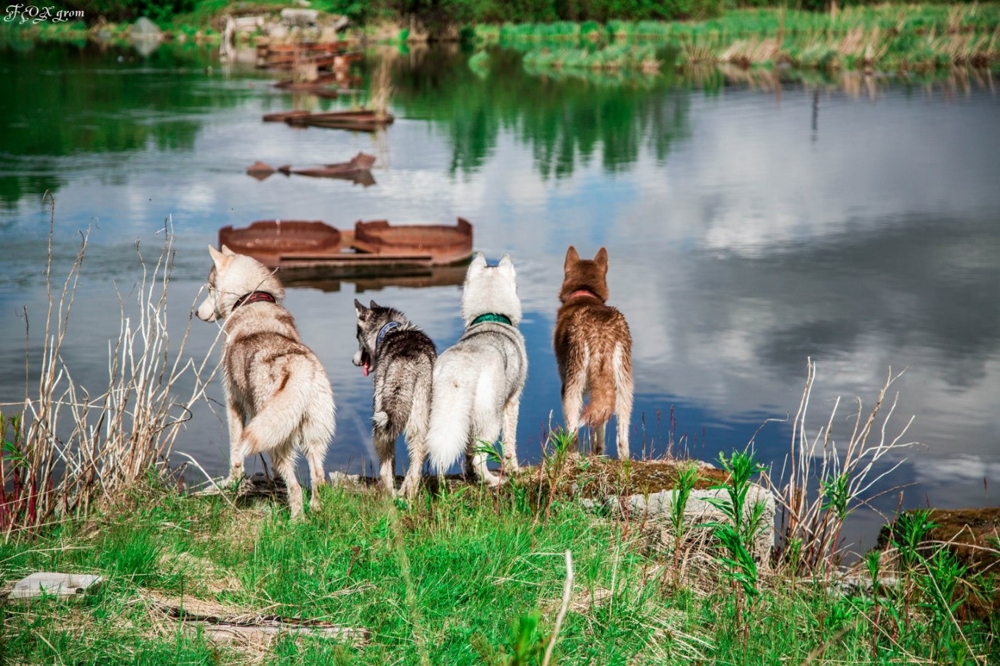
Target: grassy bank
468, 577
886, 38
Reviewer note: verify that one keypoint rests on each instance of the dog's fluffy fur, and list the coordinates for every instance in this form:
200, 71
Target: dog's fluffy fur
593, 349
478, 381
278, 397
403, 363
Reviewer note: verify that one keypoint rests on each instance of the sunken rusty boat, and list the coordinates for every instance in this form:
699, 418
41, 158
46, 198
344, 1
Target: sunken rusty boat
300, 248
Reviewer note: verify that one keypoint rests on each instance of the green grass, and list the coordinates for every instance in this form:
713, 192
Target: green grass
467, 578
888, 37
884, 37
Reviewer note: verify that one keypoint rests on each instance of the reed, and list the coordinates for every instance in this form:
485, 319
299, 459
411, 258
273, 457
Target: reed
380, 89
826, 482
884, 37
65, 446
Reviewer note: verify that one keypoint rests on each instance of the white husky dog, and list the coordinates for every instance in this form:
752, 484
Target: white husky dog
278, 397
478, 381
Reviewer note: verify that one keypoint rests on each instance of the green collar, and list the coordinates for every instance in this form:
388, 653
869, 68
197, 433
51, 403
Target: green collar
490, 316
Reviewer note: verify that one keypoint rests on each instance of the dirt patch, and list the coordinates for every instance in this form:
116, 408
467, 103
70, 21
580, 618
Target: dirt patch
597, 477
973, 535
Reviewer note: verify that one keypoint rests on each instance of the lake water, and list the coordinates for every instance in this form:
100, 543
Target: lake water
751, 224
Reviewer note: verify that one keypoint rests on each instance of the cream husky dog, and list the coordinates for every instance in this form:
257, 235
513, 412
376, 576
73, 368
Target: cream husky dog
478, 381
278, 398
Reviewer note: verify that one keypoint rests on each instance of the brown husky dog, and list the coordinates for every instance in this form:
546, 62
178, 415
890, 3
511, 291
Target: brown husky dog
594, 351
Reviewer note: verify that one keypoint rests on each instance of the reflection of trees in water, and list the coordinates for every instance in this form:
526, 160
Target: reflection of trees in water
59, 100
14, 188
565, 121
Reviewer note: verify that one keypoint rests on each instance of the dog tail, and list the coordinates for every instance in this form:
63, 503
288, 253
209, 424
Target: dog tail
301, 398
452, 401
601, 378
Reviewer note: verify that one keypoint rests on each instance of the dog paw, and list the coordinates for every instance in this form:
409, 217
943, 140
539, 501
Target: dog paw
234, 481
380, 419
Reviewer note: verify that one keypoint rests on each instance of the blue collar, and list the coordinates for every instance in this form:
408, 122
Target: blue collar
384, 330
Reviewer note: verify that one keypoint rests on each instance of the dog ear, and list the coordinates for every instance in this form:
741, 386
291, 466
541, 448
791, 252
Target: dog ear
478, 263
601, 259
218, 258
373, 305
360, 309
506, 265
572, 256
226, 251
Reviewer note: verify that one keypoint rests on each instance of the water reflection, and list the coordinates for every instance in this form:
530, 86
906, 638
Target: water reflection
752, 220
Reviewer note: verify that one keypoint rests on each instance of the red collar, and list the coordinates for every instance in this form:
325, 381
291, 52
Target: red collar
254, 297
583, 292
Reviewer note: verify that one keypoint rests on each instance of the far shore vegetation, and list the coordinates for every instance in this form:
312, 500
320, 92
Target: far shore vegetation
612, 35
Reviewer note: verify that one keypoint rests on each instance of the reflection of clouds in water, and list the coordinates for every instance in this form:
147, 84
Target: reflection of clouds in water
750, 252
747, 250
961, 469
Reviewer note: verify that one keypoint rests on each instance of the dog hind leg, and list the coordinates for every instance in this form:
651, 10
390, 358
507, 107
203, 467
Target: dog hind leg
236, 416
572, 402
624, 393
385, 448
416, 443
486, 435
283, 458
315, 452
510, 412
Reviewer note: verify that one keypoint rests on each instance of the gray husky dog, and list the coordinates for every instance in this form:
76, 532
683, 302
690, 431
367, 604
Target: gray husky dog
402, 358
478, 381
278, 397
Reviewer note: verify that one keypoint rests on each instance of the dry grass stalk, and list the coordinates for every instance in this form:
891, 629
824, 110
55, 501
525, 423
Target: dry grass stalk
71, 447
567, 595
380, 91
698, 52
747, 52
813, 518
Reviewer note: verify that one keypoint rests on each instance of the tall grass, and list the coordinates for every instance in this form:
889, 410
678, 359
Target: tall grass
65, 445
885, 37
380, 89
827, 481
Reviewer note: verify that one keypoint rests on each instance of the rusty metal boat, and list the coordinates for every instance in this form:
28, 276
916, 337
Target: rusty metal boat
444, 244
362, 121
283, 116
360, 162
374, 248
268, 241
289, 56
356, 170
